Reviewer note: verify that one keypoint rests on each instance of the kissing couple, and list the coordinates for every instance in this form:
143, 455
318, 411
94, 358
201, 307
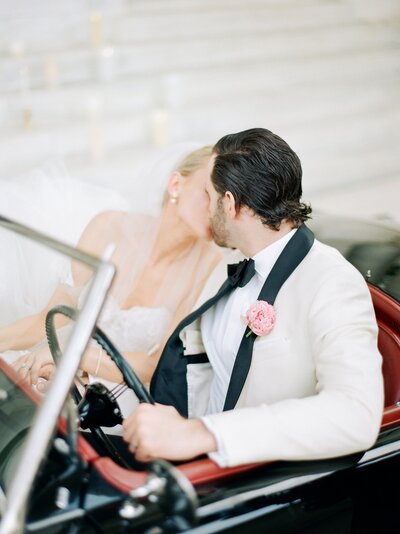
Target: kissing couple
274, 355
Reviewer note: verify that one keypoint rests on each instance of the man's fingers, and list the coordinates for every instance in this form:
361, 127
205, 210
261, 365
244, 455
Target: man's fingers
132, 439
142, 456
129, 426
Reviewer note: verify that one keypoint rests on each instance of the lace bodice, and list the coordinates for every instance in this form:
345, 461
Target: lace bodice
137, 329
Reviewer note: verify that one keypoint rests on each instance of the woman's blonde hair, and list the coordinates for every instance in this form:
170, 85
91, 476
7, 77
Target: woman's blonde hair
191, 163
194, 160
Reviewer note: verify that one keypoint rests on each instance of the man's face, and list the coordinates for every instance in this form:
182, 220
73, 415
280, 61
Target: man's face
218, 218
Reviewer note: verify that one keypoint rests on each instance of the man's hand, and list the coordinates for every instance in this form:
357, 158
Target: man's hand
158, 431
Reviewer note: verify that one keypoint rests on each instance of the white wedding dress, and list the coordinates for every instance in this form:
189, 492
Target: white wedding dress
46, 199
137, 329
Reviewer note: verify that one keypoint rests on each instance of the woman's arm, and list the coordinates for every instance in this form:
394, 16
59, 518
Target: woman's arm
28, 331
97, 363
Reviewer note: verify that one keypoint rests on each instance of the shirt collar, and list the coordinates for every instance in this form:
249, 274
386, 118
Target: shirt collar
266, 258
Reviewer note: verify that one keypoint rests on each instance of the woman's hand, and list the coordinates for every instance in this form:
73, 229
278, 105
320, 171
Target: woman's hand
34, 365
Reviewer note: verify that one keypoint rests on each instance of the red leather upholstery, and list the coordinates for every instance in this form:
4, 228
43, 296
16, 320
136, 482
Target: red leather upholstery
86, 451
391, 417
199, 472
387, 312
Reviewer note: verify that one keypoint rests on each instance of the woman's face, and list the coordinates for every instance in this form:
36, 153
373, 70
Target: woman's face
192, 203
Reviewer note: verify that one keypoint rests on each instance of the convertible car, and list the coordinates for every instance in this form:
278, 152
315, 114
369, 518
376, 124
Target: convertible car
60, 473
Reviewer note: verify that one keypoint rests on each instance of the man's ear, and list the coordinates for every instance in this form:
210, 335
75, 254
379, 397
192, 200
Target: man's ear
174, 184
230, 205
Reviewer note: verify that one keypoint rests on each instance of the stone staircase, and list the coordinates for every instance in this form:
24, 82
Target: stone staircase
108, 85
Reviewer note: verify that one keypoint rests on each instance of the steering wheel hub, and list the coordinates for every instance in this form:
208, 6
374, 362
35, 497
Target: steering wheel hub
98, 407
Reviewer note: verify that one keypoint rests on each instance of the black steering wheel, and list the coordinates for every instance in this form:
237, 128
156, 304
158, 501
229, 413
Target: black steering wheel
98, 407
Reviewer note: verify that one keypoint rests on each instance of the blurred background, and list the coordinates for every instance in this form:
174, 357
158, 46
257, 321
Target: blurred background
99, 90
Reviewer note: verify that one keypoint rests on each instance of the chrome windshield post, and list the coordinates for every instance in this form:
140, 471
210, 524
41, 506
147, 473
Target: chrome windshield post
45, 420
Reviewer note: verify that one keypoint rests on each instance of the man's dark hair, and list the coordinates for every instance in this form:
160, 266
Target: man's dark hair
262, 172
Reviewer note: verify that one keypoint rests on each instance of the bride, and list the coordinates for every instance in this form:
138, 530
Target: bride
162, 264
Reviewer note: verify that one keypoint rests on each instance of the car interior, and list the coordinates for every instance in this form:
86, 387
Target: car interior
202, 471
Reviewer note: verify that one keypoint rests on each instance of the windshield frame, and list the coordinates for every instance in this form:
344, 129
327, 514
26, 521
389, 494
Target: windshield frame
45, 420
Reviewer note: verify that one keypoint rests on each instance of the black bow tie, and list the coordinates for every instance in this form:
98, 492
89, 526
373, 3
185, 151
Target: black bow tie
241, 273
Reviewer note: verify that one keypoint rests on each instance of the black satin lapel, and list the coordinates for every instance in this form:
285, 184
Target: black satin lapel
290, 258
169, 384
292, 255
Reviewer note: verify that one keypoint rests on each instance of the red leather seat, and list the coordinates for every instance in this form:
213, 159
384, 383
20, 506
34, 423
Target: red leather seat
387, 312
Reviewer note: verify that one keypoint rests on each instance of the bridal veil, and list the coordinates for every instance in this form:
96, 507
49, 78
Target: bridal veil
50, 200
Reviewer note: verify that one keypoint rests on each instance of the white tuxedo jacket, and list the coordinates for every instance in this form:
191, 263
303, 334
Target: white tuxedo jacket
315, 386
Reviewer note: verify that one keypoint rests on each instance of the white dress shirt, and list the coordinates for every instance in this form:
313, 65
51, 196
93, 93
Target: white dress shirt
222, 326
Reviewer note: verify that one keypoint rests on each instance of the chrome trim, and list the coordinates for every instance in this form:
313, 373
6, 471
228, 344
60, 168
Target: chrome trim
45, 419
283, 485
383, 450
222, 524
234, 500
55, 520
51, 242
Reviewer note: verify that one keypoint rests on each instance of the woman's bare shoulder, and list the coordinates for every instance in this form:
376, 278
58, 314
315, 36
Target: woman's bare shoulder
113, 226
106, 218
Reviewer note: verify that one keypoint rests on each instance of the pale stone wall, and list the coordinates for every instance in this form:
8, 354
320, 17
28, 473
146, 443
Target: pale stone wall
107, 85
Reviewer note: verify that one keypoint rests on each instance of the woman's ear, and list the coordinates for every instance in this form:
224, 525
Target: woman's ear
174, 185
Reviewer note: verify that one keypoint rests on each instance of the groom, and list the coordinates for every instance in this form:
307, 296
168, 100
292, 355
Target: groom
279, 360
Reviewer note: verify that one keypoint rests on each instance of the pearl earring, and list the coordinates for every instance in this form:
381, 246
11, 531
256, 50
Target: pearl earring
173, 198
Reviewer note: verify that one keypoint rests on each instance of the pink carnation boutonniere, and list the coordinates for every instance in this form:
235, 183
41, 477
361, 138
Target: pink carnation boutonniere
260, 318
